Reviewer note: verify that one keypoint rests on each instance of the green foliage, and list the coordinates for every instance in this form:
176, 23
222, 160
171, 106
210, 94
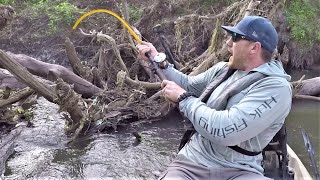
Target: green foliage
7, 1
303, 19
135, 13
60, 13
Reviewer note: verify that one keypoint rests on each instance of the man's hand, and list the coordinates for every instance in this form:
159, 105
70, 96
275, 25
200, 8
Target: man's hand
171, 91
145, 47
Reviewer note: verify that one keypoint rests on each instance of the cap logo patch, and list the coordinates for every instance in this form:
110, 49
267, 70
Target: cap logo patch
254, 34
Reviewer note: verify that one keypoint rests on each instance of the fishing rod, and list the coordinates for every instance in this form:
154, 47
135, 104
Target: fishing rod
310, 149
154, 67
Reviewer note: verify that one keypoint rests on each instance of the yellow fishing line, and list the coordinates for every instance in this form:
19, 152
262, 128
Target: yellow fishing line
135, 36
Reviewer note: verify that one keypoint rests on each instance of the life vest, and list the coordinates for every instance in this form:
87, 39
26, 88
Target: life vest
221, 101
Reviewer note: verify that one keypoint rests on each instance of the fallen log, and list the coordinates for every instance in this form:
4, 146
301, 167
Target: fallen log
63, 94
8, 80
7, 146
307, 97
23, 75
310, 87
42, 69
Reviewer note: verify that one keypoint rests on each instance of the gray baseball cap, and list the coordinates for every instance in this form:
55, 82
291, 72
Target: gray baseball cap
257, 29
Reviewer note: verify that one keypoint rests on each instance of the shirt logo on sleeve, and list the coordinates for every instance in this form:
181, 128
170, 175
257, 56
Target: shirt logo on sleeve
240, 125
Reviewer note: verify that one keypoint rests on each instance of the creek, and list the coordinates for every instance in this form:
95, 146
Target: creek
42, 152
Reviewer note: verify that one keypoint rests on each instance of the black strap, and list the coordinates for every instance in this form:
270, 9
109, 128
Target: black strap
243, 151
186, 138
189, 133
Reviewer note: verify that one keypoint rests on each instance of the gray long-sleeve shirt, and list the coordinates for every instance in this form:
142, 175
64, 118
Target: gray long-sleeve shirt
251, 119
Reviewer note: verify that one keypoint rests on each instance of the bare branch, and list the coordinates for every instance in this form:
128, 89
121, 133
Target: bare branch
106, 38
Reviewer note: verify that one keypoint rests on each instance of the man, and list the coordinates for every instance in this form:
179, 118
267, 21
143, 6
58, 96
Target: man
250, 98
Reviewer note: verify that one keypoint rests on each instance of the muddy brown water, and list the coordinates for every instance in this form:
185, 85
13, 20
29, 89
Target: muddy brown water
42, 153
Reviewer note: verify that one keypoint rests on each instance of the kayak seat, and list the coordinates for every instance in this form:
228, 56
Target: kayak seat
275, 157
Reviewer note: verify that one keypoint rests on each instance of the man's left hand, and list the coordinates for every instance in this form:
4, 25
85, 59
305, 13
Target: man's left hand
171, 91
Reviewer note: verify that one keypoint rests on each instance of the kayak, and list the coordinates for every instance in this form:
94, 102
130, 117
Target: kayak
300, 171
278, 168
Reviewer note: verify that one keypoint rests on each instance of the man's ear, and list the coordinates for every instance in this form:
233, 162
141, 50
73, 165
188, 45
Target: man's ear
255, 47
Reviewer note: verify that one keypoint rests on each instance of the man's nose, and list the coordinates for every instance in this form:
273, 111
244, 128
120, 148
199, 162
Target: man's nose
229, 41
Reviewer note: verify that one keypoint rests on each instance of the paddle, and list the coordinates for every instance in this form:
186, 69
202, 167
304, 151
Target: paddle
310, 149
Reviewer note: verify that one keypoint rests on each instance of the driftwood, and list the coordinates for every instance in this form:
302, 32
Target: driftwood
63, 94
309, 87
306, 97
25, 76
75, 62
7, 146
16, 97
122, 76
52, 71
9, 80
69, 102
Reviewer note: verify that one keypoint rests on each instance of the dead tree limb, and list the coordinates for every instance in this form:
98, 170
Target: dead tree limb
16, 97
7, 146
252, 5
69, 102
25, 76
42, 69
64, 95
109, 39
125, 14
78, 68
9, 80
309, 87
306, 97
135, 83
210, 17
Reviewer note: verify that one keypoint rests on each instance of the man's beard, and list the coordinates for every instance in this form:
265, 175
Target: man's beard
234, 63
230, 62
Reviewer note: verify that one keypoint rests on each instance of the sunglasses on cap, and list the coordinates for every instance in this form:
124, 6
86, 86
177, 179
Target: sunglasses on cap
237, 37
